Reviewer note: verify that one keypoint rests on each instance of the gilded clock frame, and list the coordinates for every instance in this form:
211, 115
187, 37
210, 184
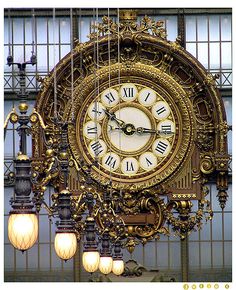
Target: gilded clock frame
146, 54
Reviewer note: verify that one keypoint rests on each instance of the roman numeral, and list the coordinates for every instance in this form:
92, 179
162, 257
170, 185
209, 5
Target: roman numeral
161, 147
147, 97
92, 130
166, 128
111, 161
128, 92
95, 110
97, 147
161, 110
110, 97
149, 163
129, 166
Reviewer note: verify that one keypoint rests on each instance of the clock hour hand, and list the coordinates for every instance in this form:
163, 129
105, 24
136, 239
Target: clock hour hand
112, 128
141, 130
112, 117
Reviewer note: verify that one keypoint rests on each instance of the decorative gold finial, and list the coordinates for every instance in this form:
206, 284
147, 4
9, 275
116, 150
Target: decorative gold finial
128, 15
22, 156
23, 107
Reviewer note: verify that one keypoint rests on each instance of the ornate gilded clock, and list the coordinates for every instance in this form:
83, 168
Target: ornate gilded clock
133, 129
145, 118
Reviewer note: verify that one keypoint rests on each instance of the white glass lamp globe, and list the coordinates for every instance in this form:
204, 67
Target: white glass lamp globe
65, 245
105, 265
118, 267
90, 261
23, 230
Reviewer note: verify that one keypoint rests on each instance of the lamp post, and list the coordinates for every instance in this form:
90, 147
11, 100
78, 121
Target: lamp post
105, 264
90, 255
23, 221
118, 263
65, 242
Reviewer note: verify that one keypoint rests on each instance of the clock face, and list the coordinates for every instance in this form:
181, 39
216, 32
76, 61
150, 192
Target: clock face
130, 129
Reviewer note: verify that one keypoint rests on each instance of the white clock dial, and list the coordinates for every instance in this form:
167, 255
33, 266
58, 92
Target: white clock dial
132, 142
128, 92
97, 148
129, 166
111, 161
161, 147
161, 110
147, 97
110, 97
96, 111
92, 130
130, 129
148, 161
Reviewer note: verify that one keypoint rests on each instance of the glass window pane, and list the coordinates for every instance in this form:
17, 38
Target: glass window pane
28, 30
202, 33
18, 31
217, 254
203, 54
6, 27
42, 57
205, 254
226, 26
214, 31
8, 144
217, 226
228, 254
69, 265
138, 254
65, 30
33, 257
149, 259
65, 49
194, 236
44, 251
205, 232
41, 30
214, 55
190, 28
228, 226
18, 53
162, 253
175, 261
84, 28
8, 194
53, 30
20, 260
193, 254
43, 229
8, 105
228, 108
53, 54
171, 27
191, 48
226, 54
8, 257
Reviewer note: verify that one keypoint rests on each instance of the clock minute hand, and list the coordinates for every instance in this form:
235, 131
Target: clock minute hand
141, 130
112, 117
